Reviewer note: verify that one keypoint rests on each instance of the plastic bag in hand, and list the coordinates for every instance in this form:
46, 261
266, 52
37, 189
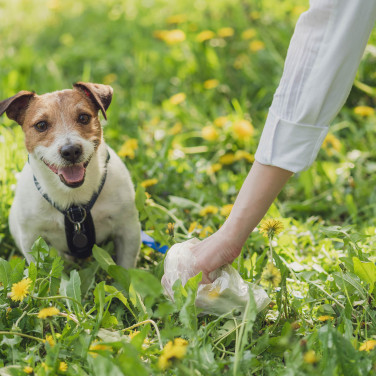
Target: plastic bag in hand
226, 293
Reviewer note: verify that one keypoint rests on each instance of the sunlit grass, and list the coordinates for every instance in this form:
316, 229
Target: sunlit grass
192, 86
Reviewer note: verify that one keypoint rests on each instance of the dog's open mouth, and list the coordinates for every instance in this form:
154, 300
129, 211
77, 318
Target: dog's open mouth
72, 176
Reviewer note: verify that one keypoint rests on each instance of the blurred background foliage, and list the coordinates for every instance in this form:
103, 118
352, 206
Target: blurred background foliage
192, 82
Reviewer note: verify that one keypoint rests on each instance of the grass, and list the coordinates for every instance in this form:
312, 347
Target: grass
186, 100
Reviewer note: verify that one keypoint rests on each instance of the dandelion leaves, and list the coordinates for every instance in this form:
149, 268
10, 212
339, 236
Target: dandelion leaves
366, 271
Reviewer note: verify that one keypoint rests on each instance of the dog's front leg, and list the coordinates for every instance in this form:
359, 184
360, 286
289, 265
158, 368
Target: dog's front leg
127, 244
24, 243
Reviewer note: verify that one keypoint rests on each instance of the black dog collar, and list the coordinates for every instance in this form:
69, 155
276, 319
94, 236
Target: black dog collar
79, 225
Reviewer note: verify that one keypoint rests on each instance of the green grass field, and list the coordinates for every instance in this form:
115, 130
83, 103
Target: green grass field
192, 82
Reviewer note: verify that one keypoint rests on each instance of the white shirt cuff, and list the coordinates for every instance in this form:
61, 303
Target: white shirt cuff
291, 146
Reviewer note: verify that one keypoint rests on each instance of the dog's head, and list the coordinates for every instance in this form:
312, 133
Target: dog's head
62, 128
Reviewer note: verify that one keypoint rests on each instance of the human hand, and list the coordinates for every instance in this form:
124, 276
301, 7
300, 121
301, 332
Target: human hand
215, 251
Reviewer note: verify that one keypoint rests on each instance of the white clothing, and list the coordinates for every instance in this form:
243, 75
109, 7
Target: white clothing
321, 63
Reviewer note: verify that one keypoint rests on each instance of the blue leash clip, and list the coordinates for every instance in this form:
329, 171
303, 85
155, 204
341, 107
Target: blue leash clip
150, 242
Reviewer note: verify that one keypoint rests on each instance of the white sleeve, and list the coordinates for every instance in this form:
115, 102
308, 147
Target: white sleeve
321, 63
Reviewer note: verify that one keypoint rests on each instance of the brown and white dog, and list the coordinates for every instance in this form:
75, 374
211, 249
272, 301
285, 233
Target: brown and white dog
70, 165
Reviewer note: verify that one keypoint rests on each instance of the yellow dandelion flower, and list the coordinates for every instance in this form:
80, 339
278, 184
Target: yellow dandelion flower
325, 318
331, 143
220, 121
271, 227
255, 15
364, 111
177, 98
210, 209
28, 369
211, 84
95, 346
271, 275
205, 35
205, 232
226, 210
173, 36
170, 229
242, 154
226, 32
131, 335
368, 345
176, 128
50, 340
20, 289
63, 367
48, 312
213, 168
243, 129
194, 226
173, 350
149, 182
128, 148
227, 159
249, 33
310, 357
256, 45
109, 78
209, 133
176, 19
159, 34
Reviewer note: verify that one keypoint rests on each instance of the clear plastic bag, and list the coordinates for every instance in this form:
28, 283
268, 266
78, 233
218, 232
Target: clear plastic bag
226, 293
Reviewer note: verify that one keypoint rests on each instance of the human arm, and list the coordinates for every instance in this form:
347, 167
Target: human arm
259, 190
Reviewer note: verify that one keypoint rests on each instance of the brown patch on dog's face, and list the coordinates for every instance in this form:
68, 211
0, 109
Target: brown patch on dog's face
52, 115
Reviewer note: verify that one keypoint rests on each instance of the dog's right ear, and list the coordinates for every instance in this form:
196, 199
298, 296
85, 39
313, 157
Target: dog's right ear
16, 106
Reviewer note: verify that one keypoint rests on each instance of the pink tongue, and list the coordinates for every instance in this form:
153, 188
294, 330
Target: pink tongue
72, 174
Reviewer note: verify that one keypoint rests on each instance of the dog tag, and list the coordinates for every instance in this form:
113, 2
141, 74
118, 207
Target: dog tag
79, 240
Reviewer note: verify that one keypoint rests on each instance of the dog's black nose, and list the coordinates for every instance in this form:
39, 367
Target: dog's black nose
71, 152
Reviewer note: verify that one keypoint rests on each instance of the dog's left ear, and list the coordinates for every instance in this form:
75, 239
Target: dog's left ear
100, 95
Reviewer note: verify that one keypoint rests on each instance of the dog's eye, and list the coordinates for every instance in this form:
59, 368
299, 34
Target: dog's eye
84, 118
41, 126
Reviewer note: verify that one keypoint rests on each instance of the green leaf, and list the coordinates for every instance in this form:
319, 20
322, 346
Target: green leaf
99, 299
32, 273
57, 267
87, 276
120, 275
109, 321
18, 271
5, 272
103, 366
145, 283
117, 294
366, 271
140, 197
189, 311
72, 288
103, 258
40, 249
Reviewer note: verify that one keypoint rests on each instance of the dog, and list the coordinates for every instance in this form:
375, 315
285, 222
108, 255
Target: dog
74, 190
